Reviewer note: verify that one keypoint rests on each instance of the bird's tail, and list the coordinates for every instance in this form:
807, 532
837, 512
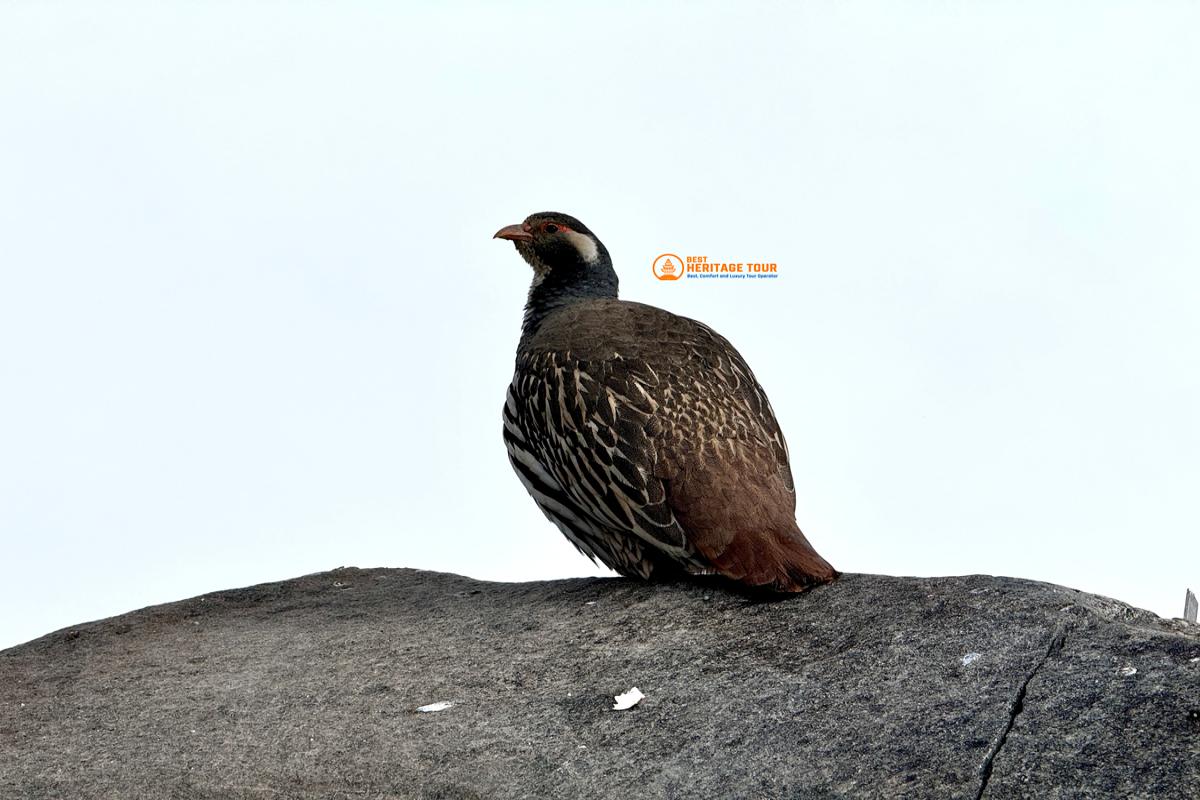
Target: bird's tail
781, 562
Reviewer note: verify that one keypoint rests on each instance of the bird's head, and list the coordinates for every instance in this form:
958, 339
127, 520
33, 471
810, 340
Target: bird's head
560, 246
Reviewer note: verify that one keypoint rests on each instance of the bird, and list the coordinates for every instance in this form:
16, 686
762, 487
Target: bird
643, 435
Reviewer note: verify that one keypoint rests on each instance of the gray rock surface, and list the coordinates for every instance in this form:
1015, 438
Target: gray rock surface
873, 687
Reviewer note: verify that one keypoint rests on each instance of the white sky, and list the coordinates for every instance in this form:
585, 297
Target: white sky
252, 323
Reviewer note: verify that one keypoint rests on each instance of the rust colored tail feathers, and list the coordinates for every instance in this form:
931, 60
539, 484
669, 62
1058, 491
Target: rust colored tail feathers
746, 529
775, 561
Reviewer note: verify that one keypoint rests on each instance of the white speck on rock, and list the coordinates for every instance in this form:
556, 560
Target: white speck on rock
628, 700
590, 603
969, 659
432, 707
1128, 672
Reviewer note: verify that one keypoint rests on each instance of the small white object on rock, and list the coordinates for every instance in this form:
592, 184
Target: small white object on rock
969, 658
1128, 671
442, 706
628, 700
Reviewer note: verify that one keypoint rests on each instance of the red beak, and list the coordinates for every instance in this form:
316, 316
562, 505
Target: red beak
515, 233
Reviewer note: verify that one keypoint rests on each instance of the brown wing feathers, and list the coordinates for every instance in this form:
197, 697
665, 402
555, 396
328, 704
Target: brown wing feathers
658, 454
733, 493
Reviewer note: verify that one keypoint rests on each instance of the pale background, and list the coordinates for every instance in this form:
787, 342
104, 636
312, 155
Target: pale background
253, 325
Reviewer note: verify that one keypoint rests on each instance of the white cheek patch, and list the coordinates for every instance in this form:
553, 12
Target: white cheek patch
586, 245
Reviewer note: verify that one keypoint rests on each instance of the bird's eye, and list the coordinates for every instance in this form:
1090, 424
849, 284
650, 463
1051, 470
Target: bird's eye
551, 227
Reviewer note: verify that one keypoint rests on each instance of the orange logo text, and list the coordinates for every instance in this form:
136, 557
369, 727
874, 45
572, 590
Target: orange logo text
670, 267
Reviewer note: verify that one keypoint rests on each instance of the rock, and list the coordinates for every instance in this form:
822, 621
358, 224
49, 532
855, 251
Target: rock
406, 684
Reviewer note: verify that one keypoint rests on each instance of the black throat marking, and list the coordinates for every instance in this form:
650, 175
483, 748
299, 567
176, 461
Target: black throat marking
566, 282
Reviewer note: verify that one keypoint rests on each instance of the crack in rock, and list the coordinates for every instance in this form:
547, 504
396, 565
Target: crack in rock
1057, 639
